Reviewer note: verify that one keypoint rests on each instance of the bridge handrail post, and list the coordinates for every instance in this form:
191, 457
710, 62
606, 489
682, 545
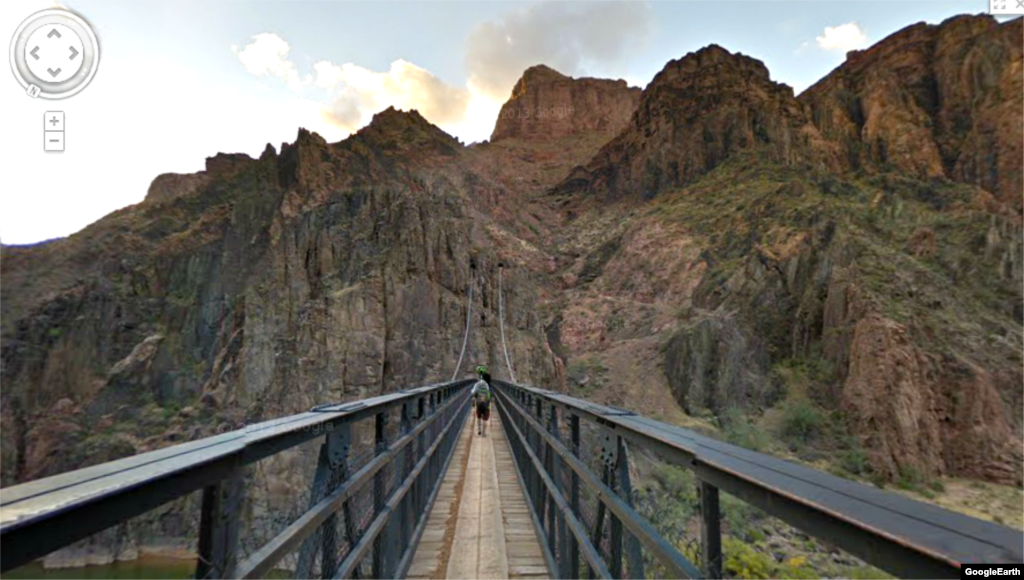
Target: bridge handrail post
552, 468
531, 481
598, 531
331, 471
634, 557
398, 525
574, 553
218, 528
710, 530
612, 469
537, 448
426, 476
563, 533
380, 438
351, 535
549, 468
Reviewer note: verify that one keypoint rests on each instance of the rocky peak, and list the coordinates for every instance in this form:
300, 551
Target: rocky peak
396, 131
268, 152
300, 162
545, 104
392, 119
306, 141
226, 164
537, 74
168, 186
699, 110
711, 60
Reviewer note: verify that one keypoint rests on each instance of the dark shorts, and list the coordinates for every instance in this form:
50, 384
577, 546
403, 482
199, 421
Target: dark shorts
483, 411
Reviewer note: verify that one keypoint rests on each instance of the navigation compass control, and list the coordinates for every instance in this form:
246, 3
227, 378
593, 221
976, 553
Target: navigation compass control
54, 54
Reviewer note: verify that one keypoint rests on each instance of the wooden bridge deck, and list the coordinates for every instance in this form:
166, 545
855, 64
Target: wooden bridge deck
480, 525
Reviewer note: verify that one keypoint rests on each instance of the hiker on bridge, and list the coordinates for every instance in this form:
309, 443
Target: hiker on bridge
482, 400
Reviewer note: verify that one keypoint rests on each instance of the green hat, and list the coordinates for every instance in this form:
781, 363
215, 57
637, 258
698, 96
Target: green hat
481, 369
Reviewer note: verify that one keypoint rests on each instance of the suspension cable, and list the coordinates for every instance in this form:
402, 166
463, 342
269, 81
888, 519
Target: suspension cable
469, 314
501, 324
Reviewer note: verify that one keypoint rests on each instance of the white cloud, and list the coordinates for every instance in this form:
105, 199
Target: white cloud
844, 37
267, 55
361, 92
562, 35
328, 74
481, 113
355, 93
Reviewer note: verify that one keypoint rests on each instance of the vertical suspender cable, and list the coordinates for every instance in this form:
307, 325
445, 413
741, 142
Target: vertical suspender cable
501, 325
469, 314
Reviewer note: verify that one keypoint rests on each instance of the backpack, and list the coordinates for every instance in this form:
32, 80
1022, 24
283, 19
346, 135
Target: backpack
483, 394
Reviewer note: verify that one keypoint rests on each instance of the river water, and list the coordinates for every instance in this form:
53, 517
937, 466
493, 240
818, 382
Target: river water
148, 567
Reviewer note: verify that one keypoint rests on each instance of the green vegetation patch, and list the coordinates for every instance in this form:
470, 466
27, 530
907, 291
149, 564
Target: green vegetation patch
586, 375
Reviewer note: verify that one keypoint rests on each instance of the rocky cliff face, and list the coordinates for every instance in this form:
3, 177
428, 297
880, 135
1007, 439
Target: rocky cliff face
932, 100
698, 111
546, 104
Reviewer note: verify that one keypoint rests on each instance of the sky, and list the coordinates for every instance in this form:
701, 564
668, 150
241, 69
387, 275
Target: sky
179, 81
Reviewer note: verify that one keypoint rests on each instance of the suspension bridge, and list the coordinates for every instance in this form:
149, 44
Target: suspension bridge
404, 488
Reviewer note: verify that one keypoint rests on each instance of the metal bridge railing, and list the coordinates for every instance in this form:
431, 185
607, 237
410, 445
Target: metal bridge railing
364, 517
574, 460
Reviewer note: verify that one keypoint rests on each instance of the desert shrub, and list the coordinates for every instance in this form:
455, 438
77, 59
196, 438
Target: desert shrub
741, 519
586, 375
691, 550
676, 481
865, 573
801, 421
910, 478
854, 460
671, 502
740, 430
820, 369
744, 561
